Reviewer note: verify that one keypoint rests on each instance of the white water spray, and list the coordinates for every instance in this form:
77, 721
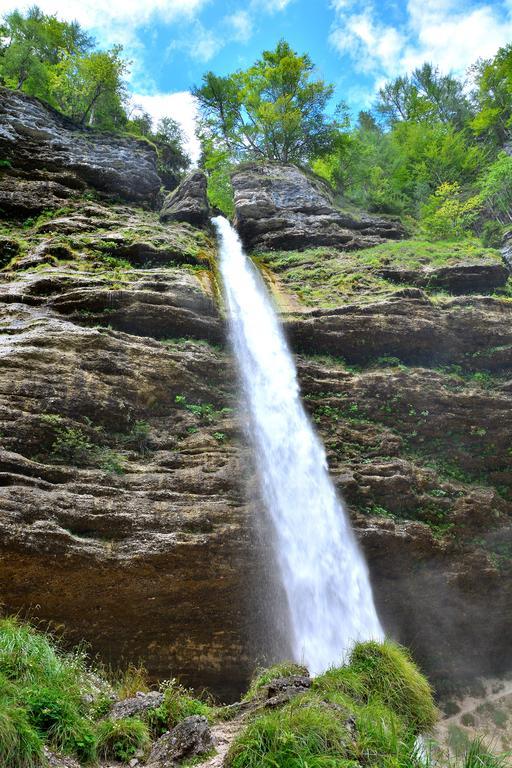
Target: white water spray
324, 574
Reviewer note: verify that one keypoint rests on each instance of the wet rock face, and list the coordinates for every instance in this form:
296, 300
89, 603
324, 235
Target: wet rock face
188, 203
51, 159
281, 208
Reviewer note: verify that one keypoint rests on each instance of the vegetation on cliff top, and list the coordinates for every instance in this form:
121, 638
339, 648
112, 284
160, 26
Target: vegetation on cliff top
58, 62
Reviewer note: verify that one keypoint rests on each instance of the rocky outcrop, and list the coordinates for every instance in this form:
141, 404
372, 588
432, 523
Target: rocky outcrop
279, 207
47, 159
136, 706
129, 513
188, 203
190, 738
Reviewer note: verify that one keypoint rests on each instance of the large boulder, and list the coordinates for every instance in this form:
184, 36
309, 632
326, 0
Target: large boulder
49, 159
188, 203
189, 738
280, 207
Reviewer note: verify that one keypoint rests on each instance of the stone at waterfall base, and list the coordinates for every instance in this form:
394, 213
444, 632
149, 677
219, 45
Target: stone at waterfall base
189, 738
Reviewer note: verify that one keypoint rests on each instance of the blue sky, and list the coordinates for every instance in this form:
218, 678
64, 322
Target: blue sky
355, 44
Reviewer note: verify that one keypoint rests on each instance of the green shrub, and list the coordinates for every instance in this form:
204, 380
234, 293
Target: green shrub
388, 673
178, 703
57, 713
299, 735
49, 687
122, 739
20, 744
447, 215
264, 677
492, 234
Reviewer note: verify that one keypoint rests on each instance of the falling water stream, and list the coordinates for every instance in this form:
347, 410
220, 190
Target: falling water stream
322, 569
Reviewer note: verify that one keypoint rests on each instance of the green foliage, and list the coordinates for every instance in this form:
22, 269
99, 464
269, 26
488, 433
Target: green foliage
300, 734
31, 46
425, 96
169, 141
496, 190
217, 164
122, 739
73, 446
56, 712
493, 97
20, 744
264, 677
389, 674
446, 215
492, 234
43, 696
90, 89
477, 755
178, 703
274, 110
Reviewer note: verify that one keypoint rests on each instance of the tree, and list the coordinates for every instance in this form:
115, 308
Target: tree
90, 89
173, 161
33, 45
493, 97
274, 110
496, 189
447, 215
425, 96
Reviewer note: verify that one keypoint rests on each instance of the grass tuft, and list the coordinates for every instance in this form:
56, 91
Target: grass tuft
388, 673
301, 734
122, 739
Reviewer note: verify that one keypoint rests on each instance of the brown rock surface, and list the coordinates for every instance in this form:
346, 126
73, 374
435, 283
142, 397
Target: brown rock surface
128, 507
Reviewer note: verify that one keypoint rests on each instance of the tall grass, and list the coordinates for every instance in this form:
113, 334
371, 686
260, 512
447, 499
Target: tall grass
46, 697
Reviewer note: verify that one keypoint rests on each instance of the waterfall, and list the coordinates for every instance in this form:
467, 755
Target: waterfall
322, 569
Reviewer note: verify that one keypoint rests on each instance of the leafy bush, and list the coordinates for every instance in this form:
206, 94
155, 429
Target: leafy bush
122, 739
446, 215
178, 704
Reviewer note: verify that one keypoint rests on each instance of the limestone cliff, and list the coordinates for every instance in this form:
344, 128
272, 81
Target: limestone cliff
128, 504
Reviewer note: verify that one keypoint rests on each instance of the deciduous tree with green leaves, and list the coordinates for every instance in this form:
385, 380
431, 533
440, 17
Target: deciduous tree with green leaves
275, 110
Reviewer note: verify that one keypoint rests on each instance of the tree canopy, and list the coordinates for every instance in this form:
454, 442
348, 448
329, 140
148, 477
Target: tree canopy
58, 61
274, 110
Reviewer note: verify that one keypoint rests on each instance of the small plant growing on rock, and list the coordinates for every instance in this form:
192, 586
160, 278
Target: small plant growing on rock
178, 704
122, 739
264, 677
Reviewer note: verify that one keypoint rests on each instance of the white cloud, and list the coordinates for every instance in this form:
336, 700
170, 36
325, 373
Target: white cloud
98, 15
241, 25
271, 6
182, 106
449, 33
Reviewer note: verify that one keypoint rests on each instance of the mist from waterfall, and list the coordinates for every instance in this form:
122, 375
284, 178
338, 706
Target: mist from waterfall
321, 566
